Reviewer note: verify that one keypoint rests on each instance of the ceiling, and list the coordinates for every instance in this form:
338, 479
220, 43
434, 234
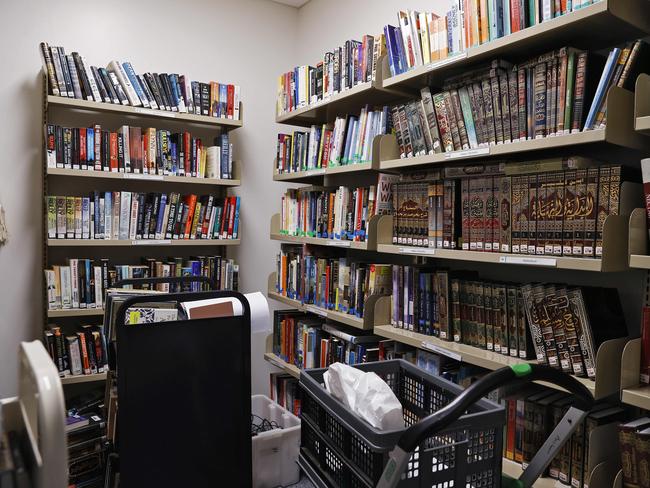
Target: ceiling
292, 3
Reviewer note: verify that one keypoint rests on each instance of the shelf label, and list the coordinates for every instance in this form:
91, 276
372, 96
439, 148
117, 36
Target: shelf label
150, 242
531, 261
316, 310
417, 250
158, 113
445, 62
441, 350
467, 153
140, 176
338, 243
314, 172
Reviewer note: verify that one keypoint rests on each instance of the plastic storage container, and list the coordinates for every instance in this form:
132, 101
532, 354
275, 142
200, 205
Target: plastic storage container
275, 452
341, 450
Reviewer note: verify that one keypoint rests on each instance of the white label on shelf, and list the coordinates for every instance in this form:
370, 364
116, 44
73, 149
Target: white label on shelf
314, 172
531, 261
140, 176
467, 153
316, 310
158, 113
440, 350
150, 242
445, 62
417, 250
338, 243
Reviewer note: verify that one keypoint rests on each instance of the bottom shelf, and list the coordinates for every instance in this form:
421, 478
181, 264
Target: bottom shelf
282, 364
514, 470
637, 397
82, 378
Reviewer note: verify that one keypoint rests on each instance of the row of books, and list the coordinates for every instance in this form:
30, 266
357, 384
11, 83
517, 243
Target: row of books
558, 325
340, 69
70, 75
284, 390
531, 416
347, 141
83, 352
81, 283
634, 446
306, 341
336, 284
421, 38
136, 150
545, 96
559, 213
342, 214
130, 215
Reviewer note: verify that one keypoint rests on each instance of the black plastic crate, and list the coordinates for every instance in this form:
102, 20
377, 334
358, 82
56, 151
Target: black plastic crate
350, 453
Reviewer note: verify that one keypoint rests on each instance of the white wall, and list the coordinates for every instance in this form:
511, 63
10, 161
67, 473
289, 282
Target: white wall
248, 42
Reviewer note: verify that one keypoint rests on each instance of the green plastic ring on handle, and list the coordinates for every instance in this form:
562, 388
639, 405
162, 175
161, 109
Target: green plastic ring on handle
521, 369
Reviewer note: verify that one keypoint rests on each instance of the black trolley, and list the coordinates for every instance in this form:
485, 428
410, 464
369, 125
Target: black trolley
184, 394
453, 436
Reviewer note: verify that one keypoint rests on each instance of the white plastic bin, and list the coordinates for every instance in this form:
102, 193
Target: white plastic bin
275, 452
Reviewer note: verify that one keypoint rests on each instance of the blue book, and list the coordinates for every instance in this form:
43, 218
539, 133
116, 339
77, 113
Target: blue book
223, 100
506, 18
161, 213
603, 85
466, 109
130, 72
90, 297
96, 223
175, 89
174, 155
225, 155
401, 53
108, 212
235, 227
90, 148
393, 52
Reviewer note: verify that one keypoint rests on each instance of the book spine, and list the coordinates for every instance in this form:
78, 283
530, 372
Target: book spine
579, 90
592, 211
609, 187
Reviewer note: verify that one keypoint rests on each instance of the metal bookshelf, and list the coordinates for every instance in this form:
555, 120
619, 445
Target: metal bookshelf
141, 112
625, 236
142, 242
63, 181
145, 178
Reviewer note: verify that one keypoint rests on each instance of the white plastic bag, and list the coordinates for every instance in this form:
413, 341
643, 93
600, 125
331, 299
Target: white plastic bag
366, 394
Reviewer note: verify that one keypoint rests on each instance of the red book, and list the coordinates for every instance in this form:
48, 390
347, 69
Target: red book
224, 218
191, 203
145, 152
327, 137
187, 145
511, 428
83, 158
327, 286
84, 352
645, 346
231, 101
232, 202
113, 151
514, 16
359, 212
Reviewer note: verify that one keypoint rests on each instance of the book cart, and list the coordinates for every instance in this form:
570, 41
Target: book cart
625, 248
171, 430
